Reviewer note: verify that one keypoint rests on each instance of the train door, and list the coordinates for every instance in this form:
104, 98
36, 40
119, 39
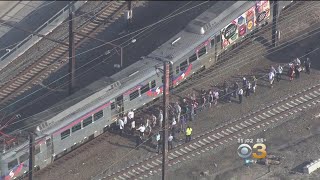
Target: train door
119, 105
213, 49
114, 113
49, 148
218, 46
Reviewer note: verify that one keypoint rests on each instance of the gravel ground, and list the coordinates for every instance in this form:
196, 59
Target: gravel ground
112, 152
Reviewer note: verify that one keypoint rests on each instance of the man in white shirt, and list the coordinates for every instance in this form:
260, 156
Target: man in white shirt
240, 94
154, 120
142, 128
173, 126
133, 126
125, 119
130, 114
170, 142
178, 111
160, 118
121, 126
279, 72
158, 138
271, 78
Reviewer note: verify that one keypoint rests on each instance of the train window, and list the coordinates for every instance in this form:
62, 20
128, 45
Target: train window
87, 121
218, 38
37, 149
183, 65
134, 95
65, 134
153, 83
193, 58
98, 115
76, 127
24, 157
12, 164
212, 43
177, 70
202, 51
113, 105
145, 88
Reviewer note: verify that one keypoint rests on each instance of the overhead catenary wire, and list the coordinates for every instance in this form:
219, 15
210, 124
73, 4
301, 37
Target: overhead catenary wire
297, 37
93, 67
257, 78
68, 73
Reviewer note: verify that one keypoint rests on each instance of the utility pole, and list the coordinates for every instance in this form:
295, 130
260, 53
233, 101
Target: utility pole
166, 91
31, 155
129, 14
274, 35
72, 58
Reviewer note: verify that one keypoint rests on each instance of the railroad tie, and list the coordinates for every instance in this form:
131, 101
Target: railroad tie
223, 132
289, 105
316, 92
192, 146
205, 140
300, 102
303, 99
265, 114
292, 102
184, 150
308, 97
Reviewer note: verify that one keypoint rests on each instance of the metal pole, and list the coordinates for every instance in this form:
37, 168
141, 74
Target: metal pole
31, 155
165, 120
121, 57
274, 23
72, 58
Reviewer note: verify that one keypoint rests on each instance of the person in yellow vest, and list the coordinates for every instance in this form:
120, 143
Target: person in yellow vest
188, 134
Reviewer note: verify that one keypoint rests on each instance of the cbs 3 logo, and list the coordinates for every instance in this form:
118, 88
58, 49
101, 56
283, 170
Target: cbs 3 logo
245, 151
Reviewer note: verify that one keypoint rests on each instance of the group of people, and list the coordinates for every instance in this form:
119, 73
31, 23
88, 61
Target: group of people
180, 113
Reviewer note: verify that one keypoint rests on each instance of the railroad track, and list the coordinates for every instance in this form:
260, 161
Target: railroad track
227, 133
58, 56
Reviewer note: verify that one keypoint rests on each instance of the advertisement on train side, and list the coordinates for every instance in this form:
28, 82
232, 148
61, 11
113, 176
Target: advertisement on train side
245, 23
262, 11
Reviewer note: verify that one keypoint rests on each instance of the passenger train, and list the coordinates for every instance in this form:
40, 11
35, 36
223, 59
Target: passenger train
88, 113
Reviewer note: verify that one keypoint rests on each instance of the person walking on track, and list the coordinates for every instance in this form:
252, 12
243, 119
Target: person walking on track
170, 142
240, 94
307, 65
188, 134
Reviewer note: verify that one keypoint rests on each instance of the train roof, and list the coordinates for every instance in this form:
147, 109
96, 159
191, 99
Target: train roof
201, 29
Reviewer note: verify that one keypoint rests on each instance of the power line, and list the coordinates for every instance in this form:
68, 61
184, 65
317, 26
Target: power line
297, 37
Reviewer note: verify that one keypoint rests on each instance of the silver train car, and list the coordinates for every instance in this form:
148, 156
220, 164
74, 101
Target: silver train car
88, 113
